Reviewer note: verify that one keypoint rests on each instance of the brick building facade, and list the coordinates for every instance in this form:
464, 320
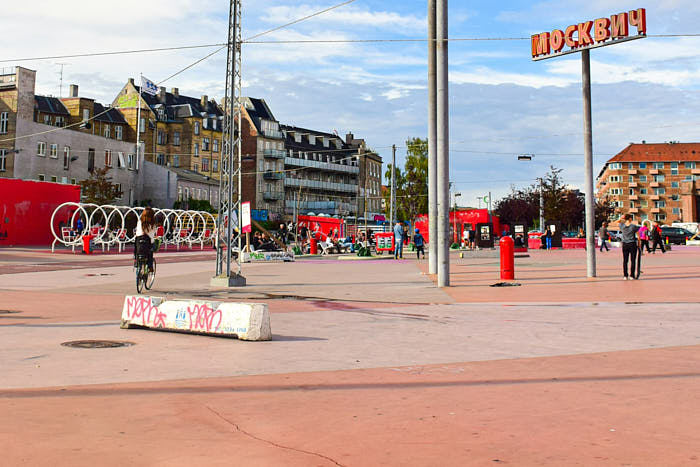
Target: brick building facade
654, 181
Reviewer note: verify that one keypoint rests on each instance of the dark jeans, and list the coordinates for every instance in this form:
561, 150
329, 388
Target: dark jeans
645, 246
419, 250
604, 244
658, 241
629, 251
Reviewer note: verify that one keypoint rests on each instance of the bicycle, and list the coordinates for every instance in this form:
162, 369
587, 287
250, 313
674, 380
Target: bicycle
144, 277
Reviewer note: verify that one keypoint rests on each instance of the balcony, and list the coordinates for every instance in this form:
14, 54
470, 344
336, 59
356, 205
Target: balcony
633, 185
328, 166
654, 197
695, 171
270, 175
319, 185
655, 210
634, 197
654, 171
273, 195
632, 172
274, 134
633, 210
275, 153
654, 184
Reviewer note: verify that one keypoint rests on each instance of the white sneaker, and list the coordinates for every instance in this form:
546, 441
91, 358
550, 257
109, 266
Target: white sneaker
625, 278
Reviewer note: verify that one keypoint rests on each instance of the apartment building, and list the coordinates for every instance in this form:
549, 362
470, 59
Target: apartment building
262, 153
322, 173
37, 144
370, 181
175, 130
657, 181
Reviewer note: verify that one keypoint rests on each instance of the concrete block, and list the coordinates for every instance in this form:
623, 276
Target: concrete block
256, 256
245, 321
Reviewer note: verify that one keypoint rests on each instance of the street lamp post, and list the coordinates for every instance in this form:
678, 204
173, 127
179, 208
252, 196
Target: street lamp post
454, 218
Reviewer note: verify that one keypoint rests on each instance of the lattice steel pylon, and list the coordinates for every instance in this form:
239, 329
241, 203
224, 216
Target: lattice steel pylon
228, 245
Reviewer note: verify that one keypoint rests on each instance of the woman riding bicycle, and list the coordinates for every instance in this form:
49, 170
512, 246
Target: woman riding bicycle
145, 234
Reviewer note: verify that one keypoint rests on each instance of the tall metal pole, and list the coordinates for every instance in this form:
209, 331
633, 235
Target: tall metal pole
588, 152
443, 146
432, 141
393, 186
231, 162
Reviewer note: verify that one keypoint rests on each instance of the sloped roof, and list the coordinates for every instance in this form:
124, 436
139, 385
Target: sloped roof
173, 100
50, 105
304, 145
257, 109
659, 152
111, 116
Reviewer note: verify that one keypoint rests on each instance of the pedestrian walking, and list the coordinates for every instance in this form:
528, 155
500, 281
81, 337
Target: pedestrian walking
548, 238
656, 238
419, 242
629, 246
398, 241
603, 235
643, 235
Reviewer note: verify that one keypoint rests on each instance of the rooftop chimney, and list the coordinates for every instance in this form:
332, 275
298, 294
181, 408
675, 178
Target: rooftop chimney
161, 95
349, 137
204, 101
73, 92
131, 81
175, 92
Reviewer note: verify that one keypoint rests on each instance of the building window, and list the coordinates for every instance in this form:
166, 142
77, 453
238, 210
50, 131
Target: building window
196, 149
106, 131
176, 160
130, 161
4, 117
631, 191
675, 185
614, 178
142, 125
108, 158
676, 211
205, 144
66, 157
60, 121
161, 137
196, 167
41, 177
119, 191
54, 179
205, 164
73, 181
118, 132
688, 178
41, 149
47, 119
86, 115
675, 197
642, 178
659, 178
630, 178
690, 165
213, 124
659, 191
215, 165
215, 145
176, 138
630, 165
642, 191
613, 166
642, 165
53, 151
204, 123
160, 158
187, 193
161, 114
659, 217
658, 165
196, 128
659, 204
3, 160
121, 163
179, 193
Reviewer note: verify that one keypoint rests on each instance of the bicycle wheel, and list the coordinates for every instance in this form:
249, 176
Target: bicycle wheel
140, 276
151, 276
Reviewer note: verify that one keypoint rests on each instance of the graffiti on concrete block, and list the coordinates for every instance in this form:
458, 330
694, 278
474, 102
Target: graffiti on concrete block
203, 318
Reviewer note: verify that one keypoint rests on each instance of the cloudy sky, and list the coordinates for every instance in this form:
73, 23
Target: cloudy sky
501, 103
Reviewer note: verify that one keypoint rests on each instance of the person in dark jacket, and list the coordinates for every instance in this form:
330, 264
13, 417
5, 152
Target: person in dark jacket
603, 235
656, 238
628, 230
419, 242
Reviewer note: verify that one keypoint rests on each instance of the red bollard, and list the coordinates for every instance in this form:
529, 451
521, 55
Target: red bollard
313, 246
507, 259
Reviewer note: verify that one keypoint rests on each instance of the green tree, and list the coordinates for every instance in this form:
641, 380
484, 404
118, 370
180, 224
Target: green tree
98, 188
411, 182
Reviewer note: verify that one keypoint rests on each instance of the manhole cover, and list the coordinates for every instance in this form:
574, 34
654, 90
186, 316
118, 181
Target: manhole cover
7, 312
505, 284
94, 344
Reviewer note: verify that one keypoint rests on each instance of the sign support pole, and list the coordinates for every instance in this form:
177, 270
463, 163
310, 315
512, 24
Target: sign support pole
432, 141
443, 147
588, 154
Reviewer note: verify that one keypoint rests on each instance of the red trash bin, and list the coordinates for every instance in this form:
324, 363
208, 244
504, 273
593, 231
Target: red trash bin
313, 246
86, 243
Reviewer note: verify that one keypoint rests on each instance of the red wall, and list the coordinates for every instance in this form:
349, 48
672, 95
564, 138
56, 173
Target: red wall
26, 207
471, 216
324, 224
